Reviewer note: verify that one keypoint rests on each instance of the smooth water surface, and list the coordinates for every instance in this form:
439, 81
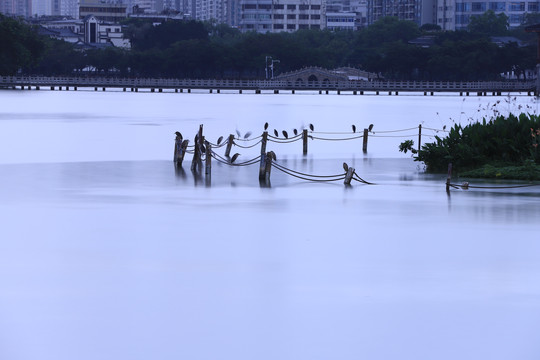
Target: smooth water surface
109, 252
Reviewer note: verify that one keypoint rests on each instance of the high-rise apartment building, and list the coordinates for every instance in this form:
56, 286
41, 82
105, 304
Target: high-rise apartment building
16, 7
419, 11
282, 15
515, 10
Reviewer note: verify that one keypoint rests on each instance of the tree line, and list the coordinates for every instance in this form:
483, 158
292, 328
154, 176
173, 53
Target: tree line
191, 49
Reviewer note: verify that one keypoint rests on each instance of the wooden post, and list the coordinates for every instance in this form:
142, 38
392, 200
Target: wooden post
182, 152
262, 166
304, 140
208, 168
177, 147
348, 176
419, 137
230, 143
196, 157
449, 177
268, 167
364, 144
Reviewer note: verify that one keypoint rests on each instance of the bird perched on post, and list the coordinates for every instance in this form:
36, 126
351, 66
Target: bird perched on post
265, 126
354, 128
178, 135
311, 127
370, 127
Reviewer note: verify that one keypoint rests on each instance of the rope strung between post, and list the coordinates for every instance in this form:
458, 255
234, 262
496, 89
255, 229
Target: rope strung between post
305, 178
250, 139
359, 179
333, 139
304, 174
226, 162
216, 146
400, 130
248, 146
443, 130
395, 136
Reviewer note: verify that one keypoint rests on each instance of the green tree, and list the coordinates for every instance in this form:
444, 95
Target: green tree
489, 24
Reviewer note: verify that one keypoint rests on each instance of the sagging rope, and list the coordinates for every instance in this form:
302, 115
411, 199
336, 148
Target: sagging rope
248, 146
359, 179
333, 139
226, 162
290, 172
305, 174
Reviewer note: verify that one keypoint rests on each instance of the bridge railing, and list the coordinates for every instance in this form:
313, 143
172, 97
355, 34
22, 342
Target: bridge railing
376, 85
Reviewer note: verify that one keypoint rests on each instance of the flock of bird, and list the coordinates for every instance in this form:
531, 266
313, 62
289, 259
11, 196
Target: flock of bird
249, 133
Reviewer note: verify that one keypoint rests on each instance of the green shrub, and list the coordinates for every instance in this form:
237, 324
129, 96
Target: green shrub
502, 140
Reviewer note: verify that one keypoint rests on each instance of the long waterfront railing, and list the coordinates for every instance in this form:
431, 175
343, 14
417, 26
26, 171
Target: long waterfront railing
276, 85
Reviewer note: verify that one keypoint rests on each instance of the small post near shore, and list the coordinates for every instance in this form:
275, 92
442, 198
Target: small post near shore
208, 168
348, 176
449, 177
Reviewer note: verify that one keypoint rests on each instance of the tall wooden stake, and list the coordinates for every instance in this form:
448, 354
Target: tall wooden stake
208, 169
177, 147
364, 144
304, 138
262, 166
230, 143
419, 137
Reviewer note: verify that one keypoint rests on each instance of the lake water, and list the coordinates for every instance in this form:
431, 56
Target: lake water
108, 252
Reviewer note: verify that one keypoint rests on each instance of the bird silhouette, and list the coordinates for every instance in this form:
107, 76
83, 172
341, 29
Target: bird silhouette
311, 127
370, 127
354, 128
238, 133
444, 127
265, 126
219, 140
285, 134
295, 132
345, 167
248, 134
272, 155
276, 133
234, 157
178, 135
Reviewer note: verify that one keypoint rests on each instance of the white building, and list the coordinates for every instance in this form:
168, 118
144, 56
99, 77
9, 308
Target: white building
282, 15
340, 21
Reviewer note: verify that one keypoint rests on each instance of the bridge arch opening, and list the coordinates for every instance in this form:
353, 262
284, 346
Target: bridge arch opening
312, 78
299, 82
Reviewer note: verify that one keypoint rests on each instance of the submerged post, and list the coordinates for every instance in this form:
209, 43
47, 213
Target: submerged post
419, 136
348, 176
230, 143
262, 166
364, 144
269, 157
304, 141
449, 177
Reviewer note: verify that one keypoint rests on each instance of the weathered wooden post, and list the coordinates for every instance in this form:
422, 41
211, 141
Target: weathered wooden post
182, 152
208, 168
364, 144
449, 177
269, 157
348, 176
230, 143
197, 153
262, 166
419, 137
304, 141
177, 147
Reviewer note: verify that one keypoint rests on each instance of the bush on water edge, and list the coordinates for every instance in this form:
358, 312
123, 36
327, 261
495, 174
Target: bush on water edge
502, 147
